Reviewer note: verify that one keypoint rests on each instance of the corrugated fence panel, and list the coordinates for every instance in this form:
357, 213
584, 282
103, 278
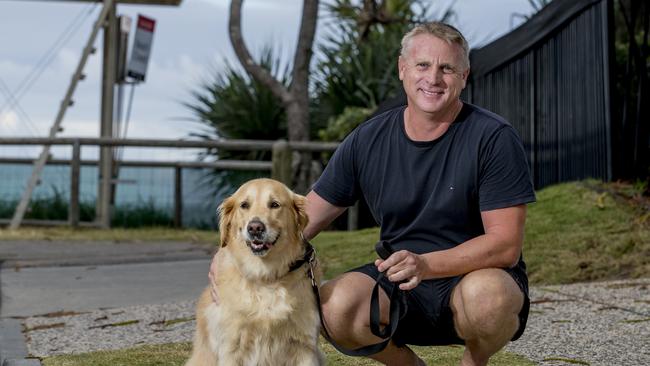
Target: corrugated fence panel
553, 91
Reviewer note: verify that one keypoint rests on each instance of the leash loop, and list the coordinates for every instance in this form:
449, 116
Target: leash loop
398, 305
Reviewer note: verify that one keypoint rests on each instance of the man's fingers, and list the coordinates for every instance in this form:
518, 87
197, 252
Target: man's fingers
410, 284
392, 260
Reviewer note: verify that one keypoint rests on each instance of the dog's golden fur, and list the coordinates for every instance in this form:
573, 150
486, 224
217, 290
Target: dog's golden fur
266, 315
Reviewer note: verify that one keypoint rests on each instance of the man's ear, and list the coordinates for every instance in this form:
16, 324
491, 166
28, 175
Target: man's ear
401, 64
225, 218
300, 208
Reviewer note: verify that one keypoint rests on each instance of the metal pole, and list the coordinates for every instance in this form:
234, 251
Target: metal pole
109, 76
67, 101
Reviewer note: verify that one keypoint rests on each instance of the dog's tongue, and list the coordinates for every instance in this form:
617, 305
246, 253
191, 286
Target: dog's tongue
258, 244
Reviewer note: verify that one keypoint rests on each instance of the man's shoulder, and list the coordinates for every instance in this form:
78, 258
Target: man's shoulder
483, 116
479, 121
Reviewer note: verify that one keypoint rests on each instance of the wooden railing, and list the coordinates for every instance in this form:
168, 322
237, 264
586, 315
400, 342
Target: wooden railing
279, 167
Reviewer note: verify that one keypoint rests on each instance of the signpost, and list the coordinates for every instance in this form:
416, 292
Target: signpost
141, 48
108, 20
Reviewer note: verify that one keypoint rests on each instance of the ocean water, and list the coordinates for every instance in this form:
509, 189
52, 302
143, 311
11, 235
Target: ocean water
138, 186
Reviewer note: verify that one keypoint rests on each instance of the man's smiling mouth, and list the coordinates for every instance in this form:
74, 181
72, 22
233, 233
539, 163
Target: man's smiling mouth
432, 93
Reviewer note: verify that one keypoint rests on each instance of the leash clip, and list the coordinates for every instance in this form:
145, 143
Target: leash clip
310, 270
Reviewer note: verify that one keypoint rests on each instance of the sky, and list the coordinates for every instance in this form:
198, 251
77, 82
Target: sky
41, 43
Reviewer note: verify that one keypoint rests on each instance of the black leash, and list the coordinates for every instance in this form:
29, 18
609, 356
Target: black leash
398, 304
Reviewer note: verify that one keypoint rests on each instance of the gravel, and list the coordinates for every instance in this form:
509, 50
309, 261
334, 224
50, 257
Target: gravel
602, 323
110, 329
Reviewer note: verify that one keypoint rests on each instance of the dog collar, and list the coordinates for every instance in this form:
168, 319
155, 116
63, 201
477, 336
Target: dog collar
308, 257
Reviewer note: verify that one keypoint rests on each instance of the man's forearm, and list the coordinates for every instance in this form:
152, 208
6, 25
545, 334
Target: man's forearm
484, 251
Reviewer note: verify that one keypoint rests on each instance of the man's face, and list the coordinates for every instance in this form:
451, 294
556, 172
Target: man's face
433, 74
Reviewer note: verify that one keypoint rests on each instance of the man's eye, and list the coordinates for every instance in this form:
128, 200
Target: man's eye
274, 204
448, 70
245, 205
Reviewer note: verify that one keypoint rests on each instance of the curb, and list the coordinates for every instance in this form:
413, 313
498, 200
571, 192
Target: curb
30, 362
13, 350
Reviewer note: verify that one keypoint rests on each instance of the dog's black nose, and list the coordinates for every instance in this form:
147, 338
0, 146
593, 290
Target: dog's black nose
256, 227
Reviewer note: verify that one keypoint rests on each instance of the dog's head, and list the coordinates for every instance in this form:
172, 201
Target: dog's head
262, 224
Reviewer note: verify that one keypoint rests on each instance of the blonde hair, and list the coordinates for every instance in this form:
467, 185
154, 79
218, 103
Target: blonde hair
440, 30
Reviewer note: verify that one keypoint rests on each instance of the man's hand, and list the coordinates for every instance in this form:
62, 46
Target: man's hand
212, 275
403, 266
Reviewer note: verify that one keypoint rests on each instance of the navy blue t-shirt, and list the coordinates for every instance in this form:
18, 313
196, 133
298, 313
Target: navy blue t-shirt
428, 196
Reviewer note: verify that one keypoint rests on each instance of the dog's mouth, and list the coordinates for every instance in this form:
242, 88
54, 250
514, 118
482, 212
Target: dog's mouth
260, 247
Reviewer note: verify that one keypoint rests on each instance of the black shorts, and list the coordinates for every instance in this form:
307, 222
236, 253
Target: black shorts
429, 320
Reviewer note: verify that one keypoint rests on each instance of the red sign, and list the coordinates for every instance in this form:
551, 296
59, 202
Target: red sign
141, 48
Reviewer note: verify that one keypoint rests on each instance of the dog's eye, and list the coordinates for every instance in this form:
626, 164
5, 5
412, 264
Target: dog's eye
244, 205
274, 204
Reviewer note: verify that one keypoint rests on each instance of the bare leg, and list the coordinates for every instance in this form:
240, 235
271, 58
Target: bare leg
346, 305
486, 304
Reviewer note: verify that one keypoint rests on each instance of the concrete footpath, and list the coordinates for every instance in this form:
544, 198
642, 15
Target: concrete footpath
47, 279
62, 298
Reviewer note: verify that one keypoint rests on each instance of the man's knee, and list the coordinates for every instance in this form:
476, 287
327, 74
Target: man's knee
487, 302
344, 302
340, 298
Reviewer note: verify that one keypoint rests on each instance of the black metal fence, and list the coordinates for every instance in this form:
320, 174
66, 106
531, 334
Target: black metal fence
551, 79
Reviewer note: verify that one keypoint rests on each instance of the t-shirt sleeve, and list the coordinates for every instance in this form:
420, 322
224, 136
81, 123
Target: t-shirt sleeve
338, 184
504, 178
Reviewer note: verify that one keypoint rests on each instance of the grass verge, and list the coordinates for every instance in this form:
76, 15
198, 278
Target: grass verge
149, 234
177, 353
587, 231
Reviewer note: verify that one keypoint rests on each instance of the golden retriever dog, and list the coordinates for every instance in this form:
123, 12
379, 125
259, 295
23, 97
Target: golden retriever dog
267, 314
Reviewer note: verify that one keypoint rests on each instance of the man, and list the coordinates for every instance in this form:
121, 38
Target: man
447, 182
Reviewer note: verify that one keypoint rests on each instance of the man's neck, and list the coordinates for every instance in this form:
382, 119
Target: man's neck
428, 127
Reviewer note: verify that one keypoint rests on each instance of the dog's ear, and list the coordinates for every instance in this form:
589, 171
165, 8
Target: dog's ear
225, 217
300, 205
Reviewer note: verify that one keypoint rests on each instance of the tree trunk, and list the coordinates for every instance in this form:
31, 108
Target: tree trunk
296, 98
296, 115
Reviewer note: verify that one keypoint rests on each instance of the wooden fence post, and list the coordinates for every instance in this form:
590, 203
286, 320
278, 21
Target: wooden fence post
75, 169
281, 169
178, 196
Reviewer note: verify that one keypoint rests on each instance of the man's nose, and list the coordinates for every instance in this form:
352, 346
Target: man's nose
434, 75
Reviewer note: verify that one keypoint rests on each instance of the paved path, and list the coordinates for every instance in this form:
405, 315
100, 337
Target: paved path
124, 305
50, 277
43, 290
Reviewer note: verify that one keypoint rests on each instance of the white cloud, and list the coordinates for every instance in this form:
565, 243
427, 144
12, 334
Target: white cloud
8, 119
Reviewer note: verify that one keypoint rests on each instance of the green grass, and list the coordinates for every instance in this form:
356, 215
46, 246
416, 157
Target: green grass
150, 355
143, 235
339, 251
177, 353
587, 231
575, 232
439, 356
